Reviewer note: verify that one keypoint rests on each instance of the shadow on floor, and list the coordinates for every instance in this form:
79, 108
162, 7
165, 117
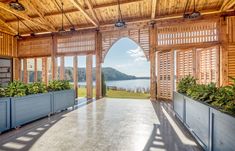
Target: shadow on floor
170, 134
23, 138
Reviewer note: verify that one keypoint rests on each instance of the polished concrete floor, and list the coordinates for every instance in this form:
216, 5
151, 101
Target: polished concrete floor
105, 125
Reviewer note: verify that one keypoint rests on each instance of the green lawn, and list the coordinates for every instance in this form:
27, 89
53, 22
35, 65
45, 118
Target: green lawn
116, 94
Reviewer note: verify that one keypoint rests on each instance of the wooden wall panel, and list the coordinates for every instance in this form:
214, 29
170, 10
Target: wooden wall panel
7, 45
199, 32
165, 74
75, 44
36, 47
231, 29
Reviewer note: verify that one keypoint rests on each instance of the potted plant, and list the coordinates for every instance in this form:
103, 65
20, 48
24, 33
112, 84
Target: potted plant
208, 112
4, 111
63, 95
28, 102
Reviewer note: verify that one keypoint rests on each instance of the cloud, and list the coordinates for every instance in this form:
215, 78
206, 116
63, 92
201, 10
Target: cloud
123, 65
137, 53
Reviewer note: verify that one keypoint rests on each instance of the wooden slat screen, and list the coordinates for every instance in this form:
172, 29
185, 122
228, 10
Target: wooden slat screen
165, 74
83, 42
187, 33
231, 29
140, 36
208, 65
35, 47
185, 63
231, 61
7, 45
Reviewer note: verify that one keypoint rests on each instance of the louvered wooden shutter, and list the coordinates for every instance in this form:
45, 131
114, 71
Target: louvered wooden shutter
165, 74
185, 63
208, 65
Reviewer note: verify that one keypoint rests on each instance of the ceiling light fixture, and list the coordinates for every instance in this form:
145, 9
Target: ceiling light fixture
195, 14
120, 22
17, 6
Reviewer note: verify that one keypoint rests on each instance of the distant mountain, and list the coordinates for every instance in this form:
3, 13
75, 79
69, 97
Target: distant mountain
110, 74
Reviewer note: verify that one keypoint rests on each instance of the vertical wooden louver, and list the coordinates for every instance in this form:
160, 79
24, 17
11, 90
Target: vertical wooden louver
208, 65
165, 74
185, 63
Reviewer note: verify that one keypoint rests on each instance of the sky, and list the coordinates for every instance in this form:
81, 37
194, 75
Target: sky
125, 55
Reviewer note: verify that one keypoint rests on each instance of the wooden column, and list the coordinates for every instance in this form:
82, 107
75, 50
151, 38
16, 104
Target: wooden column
25, 80
152, 58
98, 65
16, 68
44, 70
75, 74
223, 38
89, 76
35, 70
53, 58
62, 68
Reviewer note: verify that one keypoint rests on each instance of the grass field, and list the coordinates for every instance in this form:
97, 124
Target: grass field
116, 94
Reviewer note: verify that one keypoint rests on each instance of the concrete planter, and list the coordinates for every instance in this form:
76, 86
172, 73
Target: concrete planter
29, 108
63, 100
4, 114
214, 130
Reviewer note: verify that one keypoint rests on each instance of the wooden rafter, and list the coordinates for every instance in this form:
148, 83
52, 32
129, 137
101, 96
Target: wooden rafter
23, 16
40, 13
7, 26
76, 10
228, 4
83, 11
154, 9
88, 2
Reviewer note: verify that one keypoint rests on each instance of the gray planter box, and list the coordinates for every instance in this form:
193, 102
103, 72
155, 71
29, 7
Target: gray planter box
179, 105
4, 114
214, 130
197, 118
63, 100
29, 108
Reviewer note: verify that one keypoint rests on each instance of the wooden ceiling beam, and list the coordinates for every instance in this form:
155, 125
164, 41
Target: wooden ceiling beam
76, 10
91, 8
8, 26
154, 9
41, 14
23, 16
83, 11
228, 4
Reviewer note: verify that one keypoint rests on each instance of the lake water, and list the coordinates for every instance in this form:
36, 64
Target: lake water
126, 84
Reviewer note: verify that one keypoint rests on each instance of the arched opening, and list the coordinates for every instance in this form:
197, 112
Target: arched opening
126, 70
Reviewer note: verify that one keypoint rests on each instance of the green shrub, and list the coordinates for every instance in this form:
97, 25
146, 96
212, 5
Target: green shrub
16, 88
2, 92
37, 87
185, 83
58, 85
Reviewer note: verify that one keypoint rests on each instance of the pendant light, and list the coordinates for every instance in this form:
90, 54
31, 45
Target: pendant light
16, 5
120, 22
61, 30
195, 14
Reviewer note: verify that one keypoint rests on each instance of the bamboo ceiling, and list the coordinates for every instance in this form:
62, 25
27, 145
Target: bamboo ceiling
45, 15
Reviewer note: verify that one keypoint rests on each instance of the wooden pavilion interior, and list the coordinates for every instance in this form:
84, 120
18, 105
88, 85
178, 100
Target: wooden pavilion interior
175, 42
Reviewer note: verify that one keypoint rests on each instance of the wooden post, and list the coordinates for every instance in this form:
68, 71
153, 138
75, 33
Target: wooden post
44, 70
98, 65
16, 68
62, 68
223, 38
89, 80
75, 74
35, 70
25, 80
152, 58
53, 58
